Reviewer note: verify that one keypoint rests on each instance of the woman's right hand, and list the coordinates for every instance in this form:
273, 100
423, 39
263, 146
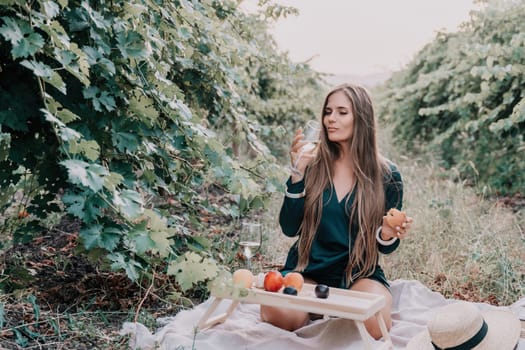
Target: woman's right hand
300, 157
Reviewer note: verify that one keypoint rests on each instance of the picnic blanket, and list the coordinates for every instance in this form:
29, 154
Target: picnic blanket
413, 304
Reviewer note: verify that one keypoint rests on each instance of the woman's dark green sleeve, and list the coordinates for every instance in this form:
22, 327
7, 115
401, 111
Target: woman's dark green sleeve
393, 199
394, 190
292, 210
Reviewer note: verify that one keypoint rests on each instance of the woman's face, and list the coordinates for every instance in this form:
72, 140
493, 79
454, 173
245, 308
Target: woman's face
338, 118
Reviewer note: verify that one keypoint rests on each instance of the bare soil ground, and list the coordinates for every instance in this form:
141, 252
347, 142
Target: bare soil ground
56, 298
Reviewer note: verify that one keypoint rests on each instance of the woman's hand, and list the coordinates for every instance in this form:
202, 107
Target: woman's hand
400, 232
299, 156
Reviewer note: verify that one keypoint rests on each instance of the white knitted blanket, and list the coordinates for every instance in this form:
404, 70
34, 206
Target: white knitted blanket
412, 307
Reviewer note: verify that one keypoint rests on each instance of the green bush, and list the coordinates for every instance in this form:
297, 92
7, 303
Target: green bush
463, 96
108, 107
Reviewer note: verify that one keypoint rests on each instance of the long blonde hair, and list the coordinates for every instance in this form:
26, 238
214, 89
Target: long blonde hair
370, 168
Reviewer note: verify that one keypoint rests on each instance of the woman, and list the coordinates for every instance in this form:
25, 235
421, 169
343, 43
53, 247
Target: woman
335, 201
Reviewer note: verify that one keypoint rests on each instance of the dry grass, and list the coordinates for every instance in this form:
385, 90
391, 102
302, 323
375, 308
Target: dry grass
462, 245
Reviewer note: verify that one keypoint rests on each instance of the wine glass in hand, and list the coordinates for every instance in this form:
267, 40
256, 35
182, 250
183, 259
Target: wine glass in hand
250, 240
311, 134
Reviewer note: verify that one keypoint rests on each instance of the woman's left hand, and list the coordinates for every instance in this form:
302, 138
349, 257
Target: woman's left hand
400, 232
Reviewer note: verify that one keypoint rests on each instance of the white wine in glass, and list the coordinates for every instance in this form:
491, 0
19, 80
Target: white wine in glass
311, 134
250, 240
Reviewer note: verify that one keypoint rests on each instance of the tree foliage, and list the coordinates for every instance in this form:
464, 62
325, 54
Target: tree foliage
463, 95
107, 106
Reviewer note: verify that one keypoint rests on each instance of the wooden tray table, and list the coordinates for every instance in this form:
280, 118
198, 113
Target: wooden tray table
353, 305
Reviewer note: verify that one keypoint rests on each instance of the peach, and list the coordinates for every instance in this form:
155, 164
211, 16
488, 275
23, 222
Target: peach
395, 218
243, 278
294, 279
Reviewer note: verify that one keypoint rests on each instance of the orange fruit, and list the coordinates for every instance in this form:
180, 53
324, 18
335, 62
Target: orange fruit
294, 279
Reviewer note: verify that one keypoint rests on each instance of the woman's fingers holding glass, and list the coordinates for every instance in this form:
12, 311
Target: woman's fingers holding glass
297, 140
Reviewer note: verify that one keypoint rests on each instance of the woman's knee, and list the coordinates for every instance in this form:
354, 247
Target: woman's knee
289, 320
373, 328
372, 324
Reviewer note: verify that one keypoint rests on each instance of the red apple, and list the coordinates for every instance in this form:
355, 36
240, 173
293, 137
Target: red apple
273, 281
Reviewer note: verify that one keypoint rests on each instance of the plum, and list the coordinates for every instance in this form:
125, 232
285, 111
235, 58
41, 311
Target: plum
290, 291
322, 291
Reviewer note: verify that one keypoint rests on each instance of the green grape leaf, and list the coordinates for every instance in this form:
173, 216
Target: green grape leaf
121, 262
131, 44
191, 268
11, 31
222, 286
50, 8
140, 240
66, 115
65, 133
59, 37
90, 149
243, 185
98, 236
96, 17
99, 98
125, 141
68, 134
65, 57
143, 243
23, 40
56, 81
75, 204
45, 72
63, 3
182, 108
94, 57
155, 221
129, 202
85, 174
159, 232
199, 243
143, 108
82, 63
162, 243
40, 69
112, 180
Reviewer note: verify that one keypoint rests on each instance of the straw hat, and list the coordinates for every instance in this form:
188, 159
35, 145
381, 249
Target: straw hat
461, 326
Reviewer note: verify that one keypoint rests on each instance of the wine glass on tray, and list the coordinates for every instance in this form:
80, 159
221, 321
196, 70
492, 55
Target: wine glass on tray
250, 240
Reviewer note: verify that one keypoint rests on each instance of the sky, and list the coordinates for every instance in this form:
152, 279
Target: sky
363, 37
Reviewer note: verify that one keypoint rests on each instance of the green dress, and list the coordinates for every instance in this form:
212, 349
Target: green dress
330, 247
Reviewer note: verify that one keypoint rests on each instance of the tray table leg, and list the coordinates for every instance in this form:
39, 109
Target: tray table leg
204, 323
382, 326
384, 330
364, 334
